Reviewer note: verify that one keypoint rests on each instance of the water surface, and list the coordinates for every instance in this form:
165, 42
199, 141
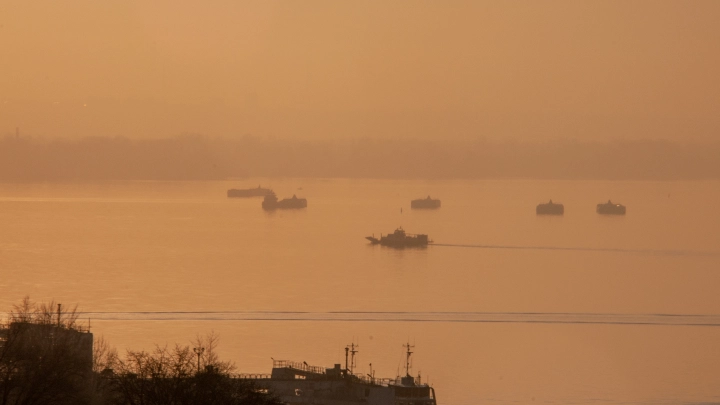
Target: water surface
573, 309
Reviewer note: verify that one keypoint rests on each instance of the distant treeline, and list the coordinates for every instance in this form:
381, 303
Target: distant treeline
195, 157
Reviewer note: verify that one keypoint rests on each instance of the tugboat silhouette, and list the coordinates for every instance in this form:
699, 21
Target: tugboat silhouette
400, 239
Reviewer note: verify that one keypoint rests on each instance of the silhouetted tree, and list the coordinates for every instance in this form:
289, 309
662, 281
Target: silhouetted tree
101, 390
45, 357
171, 376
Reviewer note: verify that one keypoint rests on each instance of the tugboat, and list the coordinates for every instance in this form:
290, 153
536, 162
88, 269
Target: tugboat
300, 383
400, 239
550, 208
248, 192
271, 202
610, 208
425, 203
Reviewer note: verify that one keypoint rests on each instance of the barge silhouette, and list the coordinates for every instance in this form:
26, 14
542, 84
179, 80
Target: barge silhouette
248, 192
271, 202
550, 208
610, 208
425, 203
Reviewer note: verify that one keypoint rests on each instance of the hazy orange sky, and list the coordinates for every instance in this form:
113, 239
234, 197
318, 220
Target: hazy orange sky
330, 69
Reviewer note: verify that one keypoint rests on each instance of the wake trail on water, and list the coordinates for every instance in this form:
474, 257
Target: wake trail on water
658, 252
437, 317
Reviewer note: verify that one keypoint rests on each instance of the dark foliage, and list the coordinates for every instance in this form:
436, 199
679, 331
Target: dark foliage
208, 387
171, 376
47, 358
44, 357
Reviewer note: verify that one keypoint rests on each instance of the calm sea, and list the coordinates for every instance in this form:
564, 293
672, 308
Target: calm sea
575, 309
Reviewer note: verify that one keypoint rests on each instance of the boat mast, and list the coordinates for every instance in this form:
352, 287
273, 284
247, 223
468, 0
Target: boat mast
351, 350
407, 359
353, 346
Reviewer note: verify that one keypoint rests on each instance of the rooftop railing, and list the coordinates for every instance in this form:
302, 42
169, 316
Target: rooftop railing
302, 366
298, 366
247, 376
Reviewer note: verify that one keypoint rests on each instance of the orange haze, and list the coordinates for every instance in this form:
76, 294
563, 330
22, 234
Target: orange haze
326, 69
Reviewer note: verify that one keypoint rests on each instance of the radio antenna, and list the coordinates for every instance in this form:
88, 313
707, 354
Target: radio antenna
408, 353
351, 350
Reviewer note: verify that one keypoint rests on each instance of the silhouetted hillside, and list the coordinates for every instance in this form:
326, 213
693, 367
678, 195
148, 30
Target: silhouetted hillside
194, 157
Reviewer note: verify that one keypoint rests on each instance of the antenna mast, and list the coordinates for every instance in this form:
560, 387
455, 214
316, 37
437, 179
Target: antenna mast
351, 349
407, 358
346, 359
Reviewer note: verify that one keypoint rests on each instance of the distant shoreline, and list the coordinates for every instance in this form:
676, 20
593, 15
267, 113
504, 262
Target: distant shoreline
196, 157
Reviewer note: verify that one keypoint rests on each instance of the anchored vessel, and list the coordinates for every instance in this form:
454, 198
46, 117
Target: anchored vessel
550, 208
427, 203
248, 192
610, 208
300, 383
271, 202
400, 239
